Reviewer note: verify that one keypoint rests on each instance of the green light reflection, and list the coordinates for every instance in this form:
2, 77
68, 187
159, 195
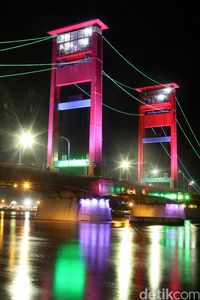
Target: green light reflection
180, 238
187, 254
69, 279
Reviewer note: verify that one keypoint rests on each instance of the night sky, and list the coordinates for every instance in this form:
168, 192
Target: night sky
160, 39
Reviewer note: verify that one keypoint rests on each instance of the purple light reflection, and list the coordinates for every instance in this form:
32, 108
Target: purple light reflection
94, 210
95, 242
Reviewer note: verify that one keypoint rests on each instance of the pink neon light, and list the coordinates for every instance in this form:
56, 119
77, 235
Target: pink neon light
158, 86
78, 26
73, 57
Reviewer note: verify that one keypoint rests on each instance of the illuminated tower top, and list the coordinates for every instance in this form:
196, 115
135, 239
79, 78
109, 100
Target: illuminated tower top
156, 94
76, 38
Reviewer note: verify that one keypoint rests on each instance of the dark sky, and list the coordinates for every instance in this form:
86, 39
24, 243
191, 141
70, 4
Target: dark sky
161, 39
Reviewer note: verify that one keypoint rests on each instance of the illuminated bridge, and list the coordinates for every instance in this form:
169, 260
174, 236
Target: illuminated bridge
77, 57
73, 197
65, 197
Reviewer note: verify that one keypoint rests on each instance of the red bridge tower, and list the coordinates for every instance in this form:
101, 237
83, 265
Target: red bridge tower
157, 109
77, 57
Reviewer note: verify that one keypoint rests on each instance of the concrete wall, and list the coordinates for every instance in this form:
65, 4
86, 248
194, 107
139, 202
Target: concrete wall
94, 210
157, 213
62, 206
65, 206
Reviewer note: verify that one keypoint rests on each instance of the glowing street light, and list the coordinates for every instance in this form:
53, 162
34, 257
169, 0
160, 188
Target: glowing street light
124, 166
26, 140
190, 184
155, 172
26, 185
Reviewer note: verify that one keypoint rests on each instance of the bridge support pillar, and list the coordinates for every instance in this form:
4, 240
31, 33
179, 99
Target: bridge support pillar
158, 213
94, 210
62, 206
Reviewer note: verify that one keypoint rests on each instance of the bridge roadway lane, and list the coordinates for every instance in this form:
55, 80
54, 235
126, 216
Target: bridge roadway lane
51, 180
14, 173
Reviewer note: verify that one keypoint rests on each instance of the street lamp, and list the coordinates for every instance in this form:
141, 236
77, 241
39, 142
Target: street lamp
26, 140
68, 146
155, 172
124, 165
191, 183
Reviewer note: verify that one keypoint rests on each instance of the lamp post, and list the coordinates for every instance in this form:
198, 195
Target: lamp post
68, 146
20, 155
124, 165
26, 140
182, 179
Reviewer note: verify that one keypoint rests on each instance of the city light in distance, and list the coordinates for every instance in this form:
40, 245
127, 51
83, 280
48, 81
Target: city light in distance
192, 182
27, 202
26, 185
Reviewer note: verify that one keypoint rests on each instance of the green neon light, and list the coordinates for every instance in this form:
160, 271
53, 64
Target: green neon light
118, 189
24, 40
112, 108
27, 44
26, 73
71, 163
112, 189
187, 197
180, 196
172, 196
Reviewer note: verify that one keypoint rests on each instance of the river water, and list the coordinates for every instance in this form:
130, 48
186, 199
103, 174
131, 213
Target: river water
77, 260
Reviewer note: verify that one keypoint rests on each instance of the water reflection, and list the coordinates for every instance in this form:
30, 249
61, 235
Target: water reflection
12, 244
95, 261
125, 263
21, 287
1, 229
95, 243
154, 270
69, 276
172, 253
